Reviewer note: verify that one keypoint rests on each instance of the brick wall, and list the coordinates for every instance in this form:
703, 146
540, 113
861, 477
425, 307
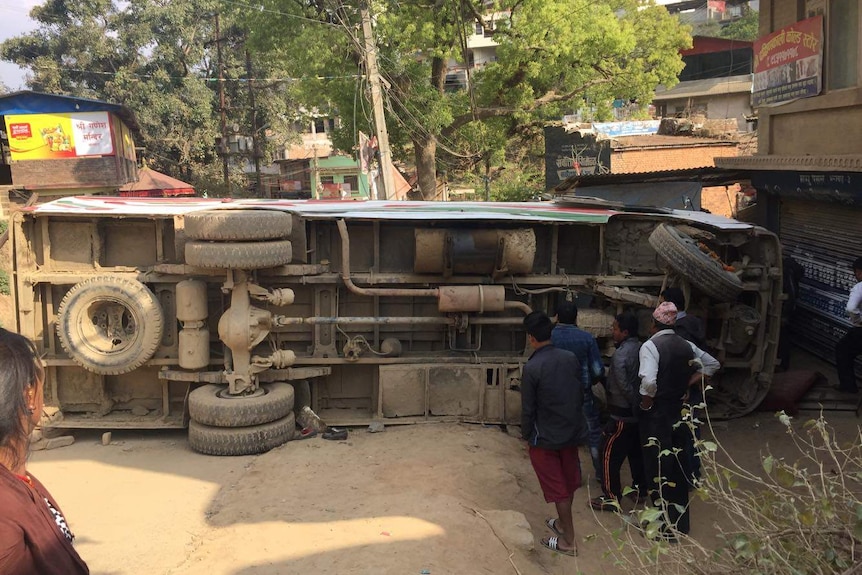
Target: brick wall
71, 173
627, 161
720, 200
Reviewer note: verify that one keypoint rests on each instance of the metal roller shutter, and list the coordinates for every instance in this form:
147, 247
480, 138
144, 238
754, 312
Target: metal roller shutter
824, 238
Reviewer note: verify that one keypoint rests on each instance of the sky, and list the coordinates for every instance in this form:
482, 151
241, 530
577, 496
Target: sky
15, 15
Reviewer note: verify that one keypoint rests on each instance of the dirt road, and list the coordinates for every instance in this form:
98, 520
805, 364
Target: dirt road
405, 501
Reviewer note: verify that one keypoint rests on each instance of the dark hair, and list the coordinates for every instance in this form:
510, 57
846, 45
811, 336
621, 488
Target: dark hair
539, 325
567, 312
857, 263
20, 368
628, 321
675, 296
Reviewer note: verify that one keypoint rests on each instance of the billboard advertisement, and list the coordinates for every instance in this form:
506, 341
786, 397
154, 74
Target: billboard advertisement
788, 64
56, 136
569, 154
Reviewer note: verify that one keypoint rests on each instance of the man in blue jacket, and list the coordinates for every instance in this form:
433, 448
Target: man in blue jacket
568, 336
553, 425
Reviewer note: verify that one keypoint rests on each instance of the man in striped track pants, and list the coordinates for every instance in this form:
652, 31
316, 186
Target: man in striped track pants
621, 435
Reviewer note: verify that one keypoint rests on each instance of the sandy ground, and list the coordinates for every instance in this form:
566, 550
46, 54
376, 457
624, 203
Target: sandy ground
404, 501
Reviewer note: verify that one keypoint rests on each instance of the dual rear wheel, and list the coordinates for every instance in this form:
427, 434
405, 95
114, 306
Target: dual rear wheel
222, 424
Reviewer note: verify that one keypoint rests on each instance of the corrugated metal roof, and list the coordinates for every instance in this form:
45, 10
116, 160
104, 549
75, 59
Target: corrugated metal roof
90, 206
707, 176
708, 87
812, 163
663, 141
29, 102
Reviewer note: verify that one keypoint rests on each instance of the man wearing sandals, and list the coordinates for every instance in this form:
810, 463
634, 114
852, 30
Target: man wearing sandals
552, 422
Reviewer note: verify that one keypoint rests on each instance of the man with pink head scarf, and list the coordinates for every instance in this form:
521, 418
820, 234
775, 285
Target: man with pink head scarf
668, 366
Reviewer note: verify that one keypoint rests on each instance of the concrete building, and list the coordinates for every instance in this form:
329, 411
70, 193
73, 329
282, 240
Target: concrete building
715, 83
713, 98
808, 169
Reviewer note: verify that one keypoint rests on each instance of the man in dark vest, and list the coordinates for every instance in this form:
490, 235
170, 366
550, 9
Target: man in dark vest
669, 365
691, 328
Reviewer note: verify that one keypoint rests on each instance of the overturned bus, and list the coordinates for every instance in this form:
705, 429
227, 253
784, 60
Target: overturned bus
226, 316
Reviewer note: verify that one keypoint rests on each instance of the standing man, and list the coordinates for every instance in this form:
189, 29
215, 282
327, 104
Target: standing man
667, 369
568, 336
690, 328
851, 344
621, 436
552, 423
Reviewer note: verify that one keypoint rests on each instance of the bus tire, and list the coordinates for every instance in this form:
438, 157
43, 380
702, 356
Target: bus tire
110, 325
210, 405
239, 255
241, 440
683, 255
238, 225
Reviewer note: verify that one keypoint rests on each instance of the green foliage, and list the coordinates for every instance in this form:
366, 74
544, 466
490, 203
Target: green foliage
517, 186
709, 29
745, 28
552, 56
791, 516
159, 60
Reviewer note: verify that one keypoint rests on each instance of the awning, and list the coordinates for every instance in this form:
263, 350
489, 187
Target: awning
153, 184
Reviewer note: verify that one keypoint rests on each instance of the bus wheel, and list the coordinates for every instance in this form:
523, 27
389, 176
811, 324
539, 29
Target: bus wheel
212, 405
110, 325
240, 440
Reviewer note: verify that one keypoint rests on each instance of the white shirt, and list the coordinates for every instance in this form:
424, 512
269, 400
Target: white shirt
649, 363
854, 305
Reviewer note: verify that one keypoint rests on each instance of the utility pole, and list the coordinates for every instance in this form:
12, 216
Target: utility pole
254, 142
315, 176
224, 147
377, 104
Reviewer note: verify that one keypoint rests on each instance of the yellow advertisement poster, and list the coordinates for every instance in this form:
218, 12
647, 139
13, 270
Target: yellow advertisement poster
128, 143
55, 136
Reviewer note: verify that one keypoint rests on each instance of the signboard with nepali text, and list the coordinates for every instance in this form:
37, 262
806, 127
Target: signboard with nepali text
55, 136
788, 64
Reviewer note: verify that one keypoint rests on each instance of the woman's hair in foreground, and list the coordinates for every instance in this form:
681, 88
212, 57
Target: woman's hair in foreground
19, 369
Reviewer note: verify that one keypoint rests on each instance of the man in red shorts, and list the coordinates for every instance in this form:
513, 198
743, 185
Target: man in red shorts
552, 422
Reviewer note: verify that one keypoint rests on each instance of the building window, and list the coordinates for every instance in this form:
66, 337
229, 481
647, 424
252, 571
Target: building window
843, 44
351, 183
479, 29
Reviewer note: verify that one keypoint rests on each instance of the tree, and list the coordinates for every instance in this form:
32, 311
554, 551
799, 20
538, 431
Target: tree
745, 28
157, 59
552, 56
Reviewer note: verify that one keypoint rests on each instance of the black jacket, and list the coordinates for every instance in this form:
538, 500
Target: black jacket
552, 399
690, 327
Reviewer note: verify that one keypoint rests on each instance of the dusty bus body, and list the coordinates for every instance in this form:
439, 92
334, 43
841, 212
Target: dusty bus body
226, 316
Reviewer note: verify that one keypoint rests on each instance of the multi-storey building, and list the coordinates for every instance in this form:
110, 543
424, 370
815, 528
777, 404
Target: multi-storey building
808, 170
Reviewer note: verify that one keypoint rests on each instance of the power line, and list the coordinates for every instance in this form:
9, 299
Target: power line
286, 79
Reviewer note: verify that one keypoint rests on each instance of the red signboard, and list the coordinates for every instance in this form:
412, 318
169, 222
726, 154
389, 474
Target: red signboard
21, 131
788, 63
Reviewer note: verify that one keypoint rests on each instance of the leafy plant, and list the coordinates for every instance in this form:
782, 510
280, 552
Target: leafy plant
787, 517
